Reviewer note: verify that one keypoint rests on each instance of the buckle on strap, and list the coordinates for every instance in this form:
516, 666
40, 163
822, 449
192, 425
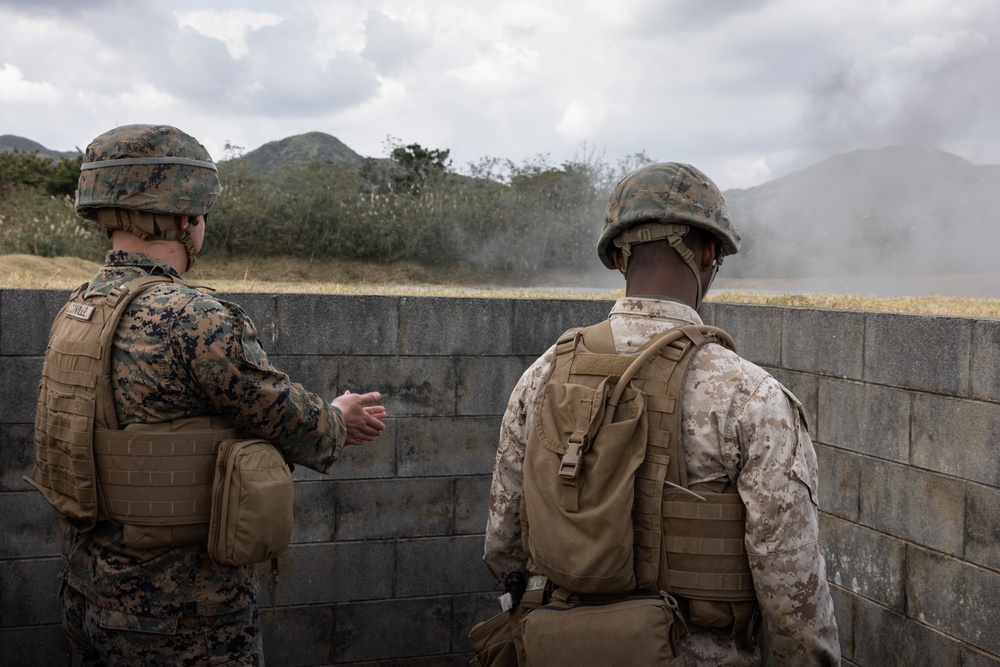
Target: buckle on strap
569, 466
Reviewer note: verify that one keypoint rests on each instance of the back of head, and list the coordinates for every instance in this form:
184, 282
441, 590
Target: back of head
667, 193
147, 168
665, 201
137, 178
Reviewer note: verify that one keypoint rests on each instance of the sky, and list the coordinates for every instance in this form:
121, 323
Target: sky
746, 90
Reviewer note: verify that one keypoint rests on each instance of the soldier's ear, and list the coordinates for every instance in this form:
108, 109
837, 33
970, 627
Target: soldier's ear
181, 222
706, 257
616, 254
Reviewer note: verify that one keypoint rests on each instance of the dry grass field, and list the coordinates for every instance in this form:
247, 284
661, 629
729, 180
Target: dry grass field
284, 275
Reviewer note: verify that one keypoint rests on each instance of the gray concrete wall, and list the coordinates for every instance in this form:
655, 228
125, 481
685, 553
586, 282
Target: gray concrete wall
385, 566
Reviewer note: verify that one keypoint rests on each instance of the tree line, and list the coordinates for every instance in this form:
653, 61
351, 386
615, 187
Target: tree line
411, 206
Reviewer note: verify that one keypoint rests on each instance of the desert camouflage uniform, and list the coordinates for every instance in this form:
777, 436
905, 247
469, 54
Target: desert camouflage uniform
739, 424
180, 352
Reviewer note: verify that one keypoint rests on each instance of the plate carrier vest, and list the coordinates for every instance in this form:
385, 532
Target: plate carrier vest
687, 541
155, 479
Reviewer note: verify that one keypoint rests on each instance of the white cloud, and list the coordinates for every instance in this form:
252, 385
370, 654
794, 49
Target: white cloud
229, 27
14, 88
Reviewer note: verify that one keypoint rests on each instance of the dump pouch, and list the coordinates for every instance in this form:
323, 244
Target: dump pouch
252, 498
637, 630
493, 642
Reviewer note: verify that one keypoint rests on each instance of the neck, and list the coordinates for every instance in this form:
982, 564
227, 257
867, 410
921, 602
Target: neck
674, 284
171, 253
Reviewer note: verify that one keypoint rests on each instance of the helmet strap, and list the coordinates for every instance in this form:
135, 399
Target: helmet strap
674, 234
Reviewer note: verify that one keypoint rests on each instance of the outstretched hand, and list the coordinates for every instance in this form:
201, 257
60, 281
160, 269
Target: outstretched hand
363, 420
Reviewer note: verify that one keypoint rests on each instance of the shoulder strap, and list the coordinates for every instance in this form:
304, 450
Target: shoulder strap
117, 300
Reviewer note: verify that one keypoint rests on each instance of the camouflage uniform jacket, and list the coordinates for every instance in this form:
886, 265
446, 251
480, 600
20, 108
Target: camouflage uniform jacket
180, 352
739, 424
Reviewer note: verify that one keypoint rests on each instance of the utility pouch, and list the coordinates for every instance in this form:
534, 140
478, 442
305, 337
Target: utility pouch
493, 642
252, 496
637, 630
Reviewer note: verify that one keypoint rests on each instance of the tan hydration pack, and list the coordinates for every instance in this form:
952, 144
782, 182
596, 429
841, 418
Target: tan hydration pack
168, 484
606, 509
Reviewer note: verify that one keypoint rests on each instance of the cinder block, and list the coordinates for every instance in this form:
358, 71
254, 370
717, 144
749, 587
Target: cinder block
393, 629
982, 526
471, 499
707, 311
864, 561
918, 352
839, 481
973, 658
485, 384
298, 636
865, 418
17, 456
315, 512
829, 342
956, 437
915, 505
843, 609
376, 509
756, 330
539, 322
429, 326
410, 386
986, 360
30, 592
26, 316
324, 573
320, 375
38, 645
888, 639
325, 324
441, 566
430, 446
19, 378
263, 312
805, 387
954, 597
30, 526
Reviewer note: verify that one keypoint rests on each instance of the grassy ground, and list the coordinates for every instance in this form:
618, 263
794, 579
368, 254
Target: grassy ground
285, 275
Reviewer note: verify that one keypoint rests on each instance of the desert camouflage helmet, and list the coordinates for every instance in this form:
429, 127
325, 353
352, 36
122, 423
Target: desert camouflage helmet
149, 168
667, 193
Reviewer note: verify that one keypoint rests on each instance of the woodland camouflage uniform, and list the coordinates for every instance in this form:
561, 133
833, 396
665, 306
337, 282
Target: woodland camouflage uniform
738, 425
179, 352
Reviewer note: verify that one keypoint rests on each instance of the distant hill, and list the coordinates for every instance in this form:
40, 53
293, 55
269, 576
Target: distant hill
899, 210
10, 143
301, 150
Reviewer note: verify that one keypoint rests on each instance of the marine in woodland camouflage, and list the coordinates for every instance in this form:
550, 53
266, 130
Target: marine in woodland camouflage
741, 425
668, 192
152, 168
180, 352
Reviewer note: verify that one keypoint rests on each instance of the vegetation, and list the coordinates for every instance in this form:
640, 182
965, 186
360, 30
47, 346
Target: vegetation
408, 219
411, 207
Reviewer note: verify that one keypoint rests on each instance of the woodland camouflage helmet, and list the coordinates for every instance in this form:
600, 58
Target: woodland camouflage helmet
663, 201
135, 176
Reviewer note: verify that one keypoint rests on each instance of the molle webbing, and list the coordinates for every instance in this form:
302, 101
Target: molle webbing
682, 544
704, 545
153, 477
75, 397
669, 354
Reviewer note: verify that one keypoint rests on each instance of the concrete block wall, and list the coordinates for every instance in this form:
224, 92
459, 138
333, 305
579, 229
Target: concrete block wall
385, 566
904, 411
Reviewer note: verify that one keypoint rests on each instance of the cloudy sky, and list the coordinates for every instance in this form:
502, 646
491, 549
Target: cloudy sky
748, 90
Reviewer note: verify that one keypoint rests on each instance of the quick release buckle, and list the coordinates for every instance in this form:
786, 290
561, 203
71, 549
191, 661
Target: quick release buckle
569, 466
